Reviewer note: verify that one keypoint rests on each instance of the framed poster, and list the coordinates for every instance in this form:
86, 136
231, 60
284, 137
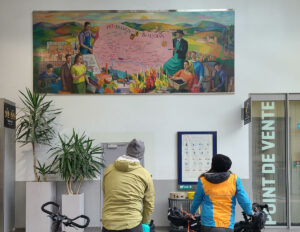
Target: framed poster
195, 152
133, 52
247, 111
9, 116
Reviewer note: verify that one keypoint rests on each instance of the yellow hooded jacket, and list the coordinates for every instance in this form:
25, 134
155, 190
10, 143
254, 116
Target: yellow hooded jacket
128, 195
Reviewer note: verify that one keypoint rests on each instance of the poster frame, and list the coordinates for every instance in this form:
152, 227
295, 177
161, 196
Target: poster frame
179, 151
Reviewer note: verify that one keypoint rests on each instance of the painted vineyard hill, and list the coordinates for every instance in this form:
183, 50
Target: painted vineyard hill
213, 41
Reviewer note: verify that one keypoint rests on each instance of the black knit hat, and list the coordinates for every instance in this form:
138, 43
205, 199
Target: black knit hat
221, 163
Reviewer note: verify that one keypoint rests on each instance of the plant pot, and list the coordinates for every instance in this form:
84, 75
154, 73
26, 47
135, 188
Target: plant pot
38, 193
73, 206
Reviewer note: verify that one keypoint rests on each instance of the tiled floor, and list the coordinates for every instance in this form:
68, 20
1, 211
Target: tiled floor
282, 230
166, 230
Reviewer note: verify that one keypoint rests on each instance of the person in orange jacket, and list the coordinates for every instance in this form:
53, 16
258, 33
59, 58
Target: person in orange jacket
217, 191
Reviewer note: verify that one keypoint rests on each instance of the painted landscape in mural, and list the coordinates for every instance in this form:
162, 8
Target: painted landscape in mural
102, 52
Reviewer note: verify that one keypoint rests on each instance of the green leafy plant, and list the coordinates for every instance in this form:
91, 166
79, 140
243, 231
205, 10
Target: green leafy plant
44, 170
35, 125
77, 158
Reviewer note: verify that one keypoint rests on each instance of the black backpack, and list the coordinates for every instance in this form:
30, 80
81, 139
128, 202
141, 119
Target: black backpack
176, 217
181, 218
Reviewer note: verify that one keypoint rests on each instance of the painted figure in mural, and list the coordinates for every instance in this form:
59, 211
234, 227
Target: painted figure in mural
198, 70
84, 38
48, 81
78, 71
185, 75
66, 76
180, 48
219, 79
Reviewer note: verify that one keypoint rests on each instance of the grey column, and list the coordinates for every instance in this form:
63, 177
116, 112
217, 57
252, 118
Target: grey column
7, 172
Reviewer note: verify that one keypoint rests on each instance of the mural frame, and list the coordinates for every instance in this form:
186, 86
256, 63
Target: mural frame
134, 79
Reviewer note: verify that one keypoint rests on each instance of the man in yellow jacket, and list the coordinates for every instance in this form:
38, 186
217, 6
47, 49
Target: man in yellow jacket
128, 192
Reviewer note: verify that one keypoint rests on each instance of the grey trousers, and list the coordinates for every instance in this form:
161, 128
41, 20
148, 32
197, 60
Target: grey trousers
138, 228
215, 229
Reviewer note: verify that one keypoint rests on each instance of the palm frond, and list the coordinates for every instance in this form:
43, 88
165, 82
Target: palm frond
76, 157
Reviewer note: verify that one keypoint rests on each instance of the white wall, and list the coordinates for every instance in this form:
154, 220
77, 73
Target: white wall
267, 48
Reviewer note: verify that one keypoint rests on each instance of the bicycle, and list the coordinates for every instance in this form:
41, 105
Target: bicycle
255, 222
59, 219
252, 223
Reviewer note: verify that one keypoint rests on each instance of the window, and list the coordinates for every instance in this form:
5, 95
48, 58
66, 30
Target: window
268, 158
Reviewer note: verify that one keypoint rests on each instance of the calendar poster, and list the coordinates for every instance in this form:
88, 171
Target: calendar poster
195, 152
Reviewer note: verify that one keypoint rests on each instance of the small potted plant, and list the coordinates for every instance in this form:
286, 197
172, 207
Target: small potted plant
36, 127
76, 159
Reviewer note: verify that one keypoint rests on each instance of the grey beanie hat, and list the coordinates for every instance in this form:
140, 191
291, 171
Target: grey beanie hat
136, 149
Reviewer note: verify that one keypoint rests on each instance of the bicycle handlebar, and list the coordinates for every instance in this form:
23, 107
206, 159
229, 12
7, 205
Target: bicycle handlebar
64, 219
49, 203
80, 226
256, 207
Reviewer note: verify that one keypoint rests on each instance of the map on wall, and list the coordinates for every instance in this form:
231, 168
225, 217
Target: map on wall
133, 52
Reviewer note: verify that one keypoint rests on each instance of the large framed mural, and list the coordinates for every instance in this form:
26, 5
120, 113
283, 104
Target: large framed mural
133, 52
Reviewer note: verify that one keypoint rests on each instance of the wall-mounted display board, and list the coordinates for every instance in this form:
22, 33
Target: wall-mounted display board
195, 152
134, 52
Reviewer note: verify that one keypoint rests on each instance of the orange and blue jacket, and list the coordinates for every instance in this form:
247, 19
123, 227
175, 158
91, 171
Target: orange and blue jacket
218, 192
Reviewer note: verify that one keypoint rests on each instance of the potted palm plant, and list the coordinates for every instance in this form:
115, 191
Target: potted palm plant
36, 121
76, 158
